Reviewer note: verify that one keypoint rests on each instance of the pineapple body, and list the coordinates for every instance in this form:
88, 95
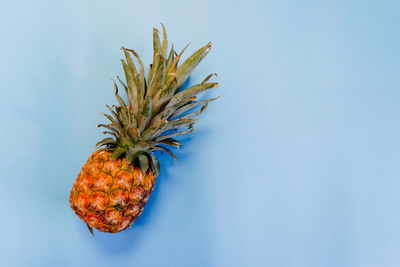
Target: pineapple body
110, 194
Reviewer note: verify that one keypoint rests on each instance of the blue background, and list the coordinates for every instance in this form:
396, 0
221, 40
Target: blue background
296, 165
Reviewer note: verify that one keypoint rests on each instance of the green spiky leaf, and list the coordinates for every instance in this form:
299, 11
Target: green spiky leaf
161, 148
190, 92
155, 106
191, 63
155, 165
143, 162
106, 141
118, 152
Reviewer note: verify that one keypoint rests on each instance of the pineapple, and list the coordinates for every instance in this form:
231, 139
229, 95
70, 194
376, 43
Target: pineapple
114, 185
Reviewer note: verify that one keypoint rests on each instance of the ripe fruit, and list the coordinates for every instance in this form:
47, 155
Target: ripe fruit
114, 185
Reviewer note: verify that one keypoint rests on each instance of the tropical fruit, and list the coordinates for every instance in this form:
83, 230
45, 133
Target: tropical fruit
115, 183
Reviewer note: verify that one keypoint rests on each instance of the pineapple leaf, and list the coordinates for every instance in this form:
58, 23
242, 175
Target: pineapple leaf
132, 154
112, 133
118, 152
171, 58
106, 142
149, 75
122, 104
170, 142
129, 60
109, 127
145, 114
123, 85
142, 79
163, 115
153, 129
194, 113
134, 133
189, 106
139, 81
157, 50
179, 123
143, 162
116, 116
164, 95
208, 77
169, 87
156, 42
184, 95
163, 137
172, 69
158, 78
161, 148
166, 113
114, 122
132, 90
155, 165
164, 45
191, 63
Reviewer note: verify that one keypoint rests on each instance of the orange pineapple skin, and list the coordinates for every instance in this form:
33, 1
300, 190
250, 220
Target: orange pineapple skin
108, 194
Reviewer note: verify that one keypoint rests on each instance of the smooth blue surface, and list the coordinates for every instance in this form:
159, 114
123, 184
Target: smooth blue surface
296, 165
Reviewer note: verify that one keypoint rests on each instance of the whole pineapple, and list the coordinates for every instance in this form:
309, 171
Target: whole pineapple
115, 183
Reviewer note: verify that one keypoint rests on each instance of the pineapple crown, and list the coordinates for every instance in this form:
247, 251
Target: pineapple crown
156, 108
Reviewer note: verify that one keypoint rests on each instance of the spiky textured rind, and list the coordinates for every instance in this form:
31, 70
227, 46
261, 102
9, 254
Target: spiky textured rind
110, 194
